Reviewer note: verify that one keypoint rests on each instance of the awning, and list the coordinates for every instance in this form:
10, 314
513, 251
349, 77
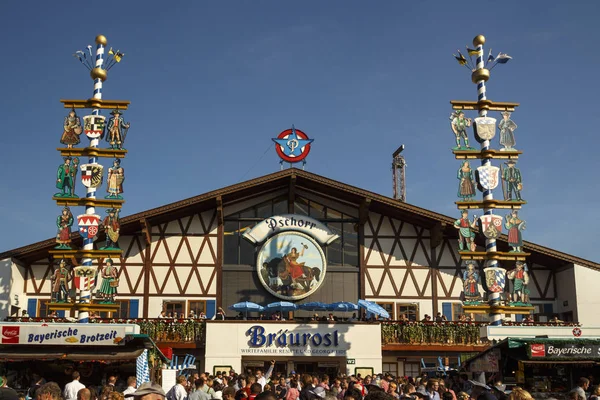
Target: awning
132, 347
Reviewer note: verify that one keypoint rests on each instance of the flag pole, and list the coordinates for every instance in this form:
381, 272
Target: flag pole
479, 77
98, 74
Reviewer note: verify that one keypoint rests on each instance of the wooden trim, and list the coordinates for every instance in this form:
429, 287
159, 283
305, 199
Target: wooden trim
146, 271
189, 308
435, 277
435, 348
363, 218
219, 264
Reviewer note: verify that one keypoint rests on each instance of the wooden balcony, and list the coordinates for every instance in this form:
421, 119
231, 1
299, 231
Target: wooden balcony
431, 336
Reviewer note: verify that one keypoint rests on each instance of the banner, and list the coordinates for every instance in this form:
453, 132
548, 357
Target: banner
66, 334
281, 223
564, 351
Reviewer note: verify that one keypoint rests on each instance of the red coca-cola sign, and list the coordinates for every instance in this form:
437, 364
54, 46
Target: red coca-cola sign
10, 334
538, 350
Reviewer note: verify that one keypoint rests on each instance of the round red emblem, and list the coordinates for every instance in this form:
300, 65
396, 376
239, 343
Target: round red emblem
576, 332
292, 145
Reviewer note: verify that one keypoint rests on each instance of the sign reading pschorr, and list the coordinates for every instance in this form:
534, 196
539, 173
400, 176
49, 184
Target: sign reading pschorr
281, 223
66, 334
565, 351
322, 342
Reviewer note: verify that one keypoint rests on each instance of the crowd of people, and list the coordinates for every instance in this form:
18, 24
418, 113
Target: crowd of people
270, 385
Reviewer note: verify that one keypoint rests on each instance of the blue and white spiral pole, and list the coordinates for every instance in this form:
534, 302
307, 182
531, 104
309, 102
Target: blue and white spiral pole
480, 75
98, 75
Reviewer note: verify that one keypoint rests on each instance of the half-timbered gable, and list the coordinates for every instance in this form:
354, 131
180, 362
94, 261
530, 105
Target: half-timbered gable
191, 255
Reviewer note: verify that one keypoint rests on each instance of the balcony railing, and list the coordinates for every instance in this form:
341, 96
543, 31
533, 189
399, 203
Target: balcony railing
457, 333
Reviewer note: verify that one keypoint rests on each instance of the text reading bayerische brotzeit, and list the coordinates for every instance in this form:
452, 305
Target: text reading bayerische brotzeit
71, 333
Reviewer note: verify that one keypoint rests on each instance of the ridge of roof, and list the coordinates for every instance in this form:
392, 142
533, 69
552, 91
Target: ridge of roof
294, 172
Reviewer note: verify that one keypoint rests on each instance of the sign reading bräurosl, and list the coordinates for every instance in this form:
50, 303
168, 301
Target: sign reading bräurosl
65, 334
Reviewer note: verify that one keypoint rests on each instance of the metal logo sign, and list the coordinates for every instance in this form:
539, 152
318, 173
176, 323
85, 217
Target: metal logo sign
487, 177
291, 265
91, 175
93, 126
292, 145
485, 128
491, 225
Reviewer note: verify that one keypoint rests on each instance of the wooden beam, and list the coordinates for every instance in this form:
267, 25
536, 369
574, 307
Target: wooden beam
91, 152
292, 193
437, 234
363, 211
146, 230
86, 201
219, 200
483, 105
96, 103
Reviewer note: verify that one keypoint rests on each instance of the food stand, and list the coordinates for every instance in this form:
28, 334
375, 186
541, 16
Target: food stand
547, 367
55, 350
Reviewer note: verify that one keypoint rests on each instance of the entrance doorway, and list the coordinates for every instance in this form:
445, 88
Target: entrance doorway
331, 369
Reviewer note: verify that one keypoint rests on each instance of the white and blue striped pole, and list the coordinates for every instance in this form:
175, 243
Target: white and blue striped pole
479, 77
98, 75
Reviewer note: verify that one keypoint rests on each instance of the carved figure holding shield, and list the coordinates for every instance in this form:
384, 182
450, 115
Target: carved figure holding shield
511, 175
459, 126
117, 130
471, 283
507, 128
466, 234
466, 186
60, 282
71, 130
110, 282
116, 177
515, 225
64, 222
520, 278
112, 227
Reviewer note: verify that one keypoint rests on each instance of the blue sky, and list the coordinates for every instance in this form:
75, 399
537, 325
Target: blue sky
212, 82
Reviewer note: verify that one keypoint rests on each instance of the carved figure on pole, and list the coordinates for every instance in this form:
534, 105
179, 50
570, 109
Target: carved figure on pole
110, 282
466, 185
520, 278
466, 234
60, 282
117, 130
116, 177
471, 283
64, 222
507, 136
65, 177
71, 130
112, 227
515, 226
459, 126
514, 183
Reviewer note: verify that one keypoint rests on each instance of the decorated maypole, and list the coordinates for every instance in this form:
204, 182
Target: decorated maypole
486, 178
85, 276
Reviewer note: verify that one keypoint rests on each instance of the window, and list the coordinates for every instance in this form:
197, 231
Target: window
42, 309
172, 307
457, 310
391, 368
410, 311
238, 251
389, 307
197, 306
412, 369
123, 312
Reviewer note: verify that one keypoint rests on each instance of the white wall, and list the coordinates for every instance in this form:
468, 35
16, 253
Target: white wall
565, 288
588, 296
361, 342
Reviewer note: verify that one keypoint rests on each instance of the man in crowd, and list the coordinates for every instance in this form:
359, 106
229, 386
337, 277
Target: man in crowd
73, 387
149, 391
198, 393
131, 384
582, 385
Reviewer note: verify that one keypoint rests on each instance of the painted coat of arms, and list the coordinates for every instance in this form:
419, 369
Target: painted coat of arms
491, 225
495, 278
91, 175
485, 128
93, 126
487, 177
291, 265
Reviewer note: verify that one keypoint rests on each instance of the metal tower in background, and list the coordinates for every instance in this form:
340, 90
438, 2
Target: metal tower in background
399, 175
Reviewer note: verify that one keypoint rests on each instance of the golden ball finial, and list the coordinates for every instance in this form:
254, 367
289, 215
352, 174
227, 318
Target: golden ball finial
101, 39
98, 73
479, 39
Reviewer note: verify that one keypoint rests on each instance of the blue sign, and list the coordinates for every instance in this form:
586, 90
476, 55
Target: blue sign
285, 338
